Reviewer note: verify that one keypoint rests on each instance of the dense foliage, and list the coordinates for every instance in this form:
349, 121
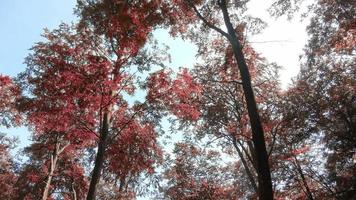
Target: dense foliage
96, 94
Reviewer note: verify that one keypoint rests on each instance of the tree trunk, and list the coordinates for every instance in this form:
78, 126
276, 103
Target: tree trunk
265, 191
54, 159
100, 156
74, 192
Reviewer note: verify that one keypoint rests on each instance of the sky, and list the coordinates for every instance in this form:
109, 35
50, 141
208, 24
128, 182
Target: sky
282, 41
23, 21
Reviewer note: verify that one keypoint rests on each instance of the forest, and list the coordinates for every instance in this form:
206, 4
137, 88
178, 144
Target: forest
100, 99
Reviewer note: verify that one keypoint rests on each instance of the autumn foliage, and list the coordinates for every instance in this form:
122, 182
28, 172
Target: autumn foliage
98, 99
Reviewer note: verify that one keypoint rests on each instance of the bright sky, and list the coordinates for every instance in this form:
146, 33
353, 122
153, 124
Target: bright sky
22, 22
281, 42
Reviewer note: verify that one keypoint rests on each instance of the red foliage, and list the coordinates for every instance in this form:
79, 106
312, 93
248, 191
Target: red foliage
129, 23
74, 84
195, 174
9, 95
8, 177
137, 150
180, 96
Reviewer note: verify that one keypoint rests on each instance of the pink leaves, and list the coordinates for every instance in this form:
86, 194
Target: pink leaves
9, 95
4, 80
137, 150
159, 86
180, 96
184, 110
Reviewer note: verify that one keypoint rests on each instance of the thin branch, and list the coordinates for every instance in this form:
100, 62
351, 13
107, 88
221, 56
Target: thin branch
62, 149
210, 25
127, 123
87, 128
274, 139
247, 154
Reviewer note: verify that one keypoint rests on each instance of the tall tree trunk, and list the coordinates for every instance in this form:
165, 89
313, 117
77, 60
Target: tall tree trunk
100, 157
265, 190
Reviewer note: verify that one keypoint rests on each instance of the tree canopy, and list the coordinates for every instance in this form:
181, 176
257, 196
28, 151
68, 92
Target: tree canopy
97, 95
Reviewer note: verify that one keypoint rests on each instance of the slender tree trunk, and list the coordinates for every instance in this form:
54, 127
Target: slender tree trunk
247, 169
100, 156
54, 159
74, 192
49, 179
301, 174
265, 190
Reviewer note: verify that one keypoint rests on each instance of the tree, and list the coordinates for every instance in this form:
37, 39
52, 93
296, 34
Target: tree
55, 149
9, 116
213, 102
323, 97
223, 121
126, 25
187, 10
77, 90
53, 170
326, 112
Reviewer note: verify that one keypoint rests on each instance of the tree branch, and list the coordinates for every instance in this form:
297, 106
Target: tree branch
206, 22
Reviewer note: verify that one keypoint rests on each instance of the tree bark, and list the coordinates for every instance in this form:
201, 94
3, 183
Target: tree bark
54, 159
265, 190
74, 192
100, 156
50, 175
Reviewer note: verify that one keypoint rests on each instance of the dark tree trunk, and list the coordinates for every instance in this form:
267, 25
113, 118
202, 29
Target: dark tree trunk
265, 191
100, 156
